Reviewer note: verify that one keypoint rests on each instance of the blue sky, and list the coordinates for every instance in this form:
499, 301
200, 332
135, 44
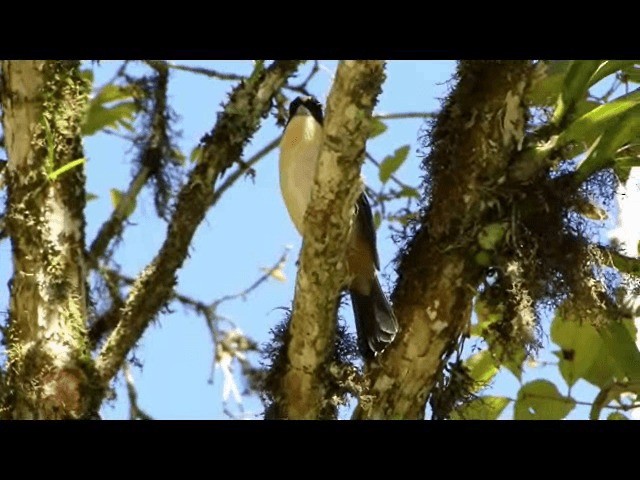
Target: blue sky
247, 230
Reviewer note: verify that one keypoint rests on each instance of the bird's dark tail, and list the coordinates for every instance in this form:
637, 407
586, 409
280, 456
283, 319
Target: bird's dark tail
376, 324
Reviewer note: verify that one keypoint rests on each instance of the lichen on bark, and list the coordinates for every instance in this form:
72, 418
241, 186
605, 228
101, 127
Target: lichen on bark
50, 370
304, 391
474, 138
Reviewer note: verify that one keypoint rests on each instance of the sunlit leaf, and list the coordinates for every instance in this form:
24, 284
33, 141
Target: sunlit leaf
541, 400
278, 275
99, 115
586, 128
608, 67
616, 416
546, 90
117, 197
393, 162
196, 154
602, 152
574, 87
376, 128
481, 408
490, 235
580, 344
622, 347
65, 168
481, 367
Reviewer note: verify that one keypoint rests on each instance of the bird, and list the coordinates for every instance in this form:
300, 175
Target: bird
376, 323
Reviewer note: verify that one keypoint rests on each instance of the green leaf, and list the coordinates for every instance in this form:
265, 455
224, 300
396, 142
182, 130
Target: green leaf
481, 367
481, 408
632, 73
409, 192
622, 347
483, 258
91, 196
586, 128
602, 152
608, 67
121, 203
546, 90
541, 400
99, 117
65, 168
616, 416
377, 219
196, 154
574, 87
391, 163
580, 344
491, 235
376, 127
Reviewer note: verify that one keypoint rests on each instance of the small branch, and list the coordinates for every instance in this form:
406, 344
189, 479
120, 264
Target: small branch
211, 73
244, 167
398, 116
114, 226
268, 273
207, 72
248, 103
321, 275
135, 412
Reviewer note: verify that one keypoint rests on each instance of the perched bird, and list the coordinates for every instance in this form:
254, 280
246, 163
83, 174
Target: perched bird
376, 324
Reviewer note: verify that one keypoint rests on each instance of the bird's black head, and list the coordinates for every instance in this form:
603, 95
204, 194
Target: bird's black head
310, 105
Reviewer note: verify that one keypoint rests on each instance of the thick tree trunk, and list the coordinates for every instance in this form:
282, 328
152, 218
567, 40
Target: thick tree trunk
302, 392
476, 135
49, 363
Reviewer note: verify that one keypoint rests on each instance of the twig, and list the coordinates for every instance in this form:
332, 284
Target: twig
211, 73
135, 412
268, 273
114, 226
397, 116
244, 167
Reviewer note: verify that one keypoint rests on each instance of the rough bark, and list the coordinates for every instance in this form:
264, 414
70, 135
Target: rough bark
248, 102
50, 369
476, 135
321, 274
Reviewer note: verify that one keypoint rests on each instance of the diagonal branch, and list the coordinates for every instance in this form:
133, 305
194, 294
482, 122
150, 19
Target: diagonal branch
248, 103
321, 275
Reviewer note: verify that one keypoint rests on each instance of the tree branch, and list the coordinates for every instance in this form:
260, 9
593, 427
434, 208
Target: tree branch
311, 333
476, 134
248, 103
50, 374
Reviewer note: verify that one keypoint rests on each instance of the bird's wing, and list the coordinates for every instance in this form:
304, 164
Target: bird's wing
366, 226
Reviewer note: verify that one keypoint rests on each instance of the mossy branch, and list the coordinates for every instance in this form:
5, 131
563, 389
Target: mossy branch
473, 141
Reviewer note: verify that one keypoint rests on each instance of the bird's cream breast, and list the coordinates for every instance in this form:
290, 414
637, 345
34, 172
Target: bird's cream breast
299, 151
